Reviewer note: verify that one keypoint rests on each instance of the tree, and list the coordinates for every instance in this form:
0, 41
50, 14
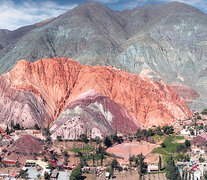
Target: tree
181, 148
36, 127
205, 175
159, 131
23, 174
187, 143
172, 172
17, 127
83, 138
199, 117
39, 176
76, 174
183, 175
150, 132
107, 142
204, 111
130, 160
12, 124
160, 163
168, 129
187, 158
46, 131
163, 145
46, 175
114, 164
7, 130
205, 127
201, 159
102, 156
192, 132
59, 138
141, 167
66, 156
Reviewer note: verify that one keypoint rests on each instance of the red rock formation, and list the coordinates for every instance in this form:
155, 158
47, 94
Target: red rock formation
186, 93
61, 81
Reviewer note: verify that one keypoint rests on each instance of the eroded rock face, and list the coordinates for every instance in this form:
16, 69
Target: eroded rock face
95, 115
51, 79
187, 93
19, 106
51, 84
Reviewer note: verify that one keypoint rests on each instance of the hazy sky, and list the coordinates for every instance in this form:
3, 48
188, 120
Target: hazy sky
17, 13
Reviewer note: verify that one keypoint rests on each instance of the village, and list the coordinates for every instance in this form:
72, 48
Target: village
33, 154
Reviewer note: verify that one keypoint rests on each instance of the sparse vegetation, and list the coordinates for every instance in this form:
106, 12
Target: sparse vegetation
204, 111
171, 146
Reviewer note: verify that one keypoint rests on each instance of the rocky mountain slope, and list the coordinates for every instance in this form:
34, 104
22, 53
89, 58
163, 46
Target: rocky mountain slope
169, 39
64, 93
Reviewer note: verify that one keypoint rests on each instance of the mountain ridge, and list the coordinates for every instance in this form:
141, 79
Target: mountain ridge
168, 39
46, 90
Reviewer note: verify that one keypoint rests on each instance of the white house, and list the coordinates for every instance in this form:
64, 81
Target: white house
197, 175
185, 132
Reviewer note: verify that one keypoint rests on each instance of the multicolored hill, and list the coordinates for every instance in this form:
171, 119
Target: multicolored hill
61, 90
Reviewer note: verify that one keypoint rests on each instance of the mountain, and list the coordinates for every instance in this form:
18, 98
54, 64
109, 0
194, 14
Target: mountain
66, 94
4, 31
9, 37
169, 39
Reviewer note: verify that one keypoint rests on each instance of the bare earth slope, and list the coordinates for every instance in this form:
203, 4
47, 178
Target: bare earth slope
46, 88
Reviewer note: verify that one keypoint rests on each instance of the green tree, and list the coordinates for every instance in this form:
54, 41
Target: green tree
187, 143
192, 132
168, 129
12, 124
183, 175
17, 126
199, 117
159, 131
36, 127
201, 159
205, 175
187, 158
163, 145
107, 142
23, 174
181, 148
114, 164
160, 163
83, 138
204, 111
46, 175
141, 165
150, 132
59, 138
7, 130
172, 172
102, 156
76, 174
39, 176
130, 161
205, 127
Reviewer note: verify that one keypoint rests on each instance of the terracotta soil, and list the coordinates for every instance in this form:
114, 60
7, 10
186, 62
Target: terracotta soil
124, 150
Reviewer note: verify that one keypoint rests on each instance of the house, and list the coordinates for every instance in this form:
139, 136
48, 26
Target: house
185, 132
54, 175
202, 167
39, 165
197, 174
9, 162
152, 168
107, 175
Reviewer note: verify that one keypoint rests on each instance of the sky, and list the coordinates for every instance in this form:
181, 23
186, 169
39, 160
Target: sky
18, 13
